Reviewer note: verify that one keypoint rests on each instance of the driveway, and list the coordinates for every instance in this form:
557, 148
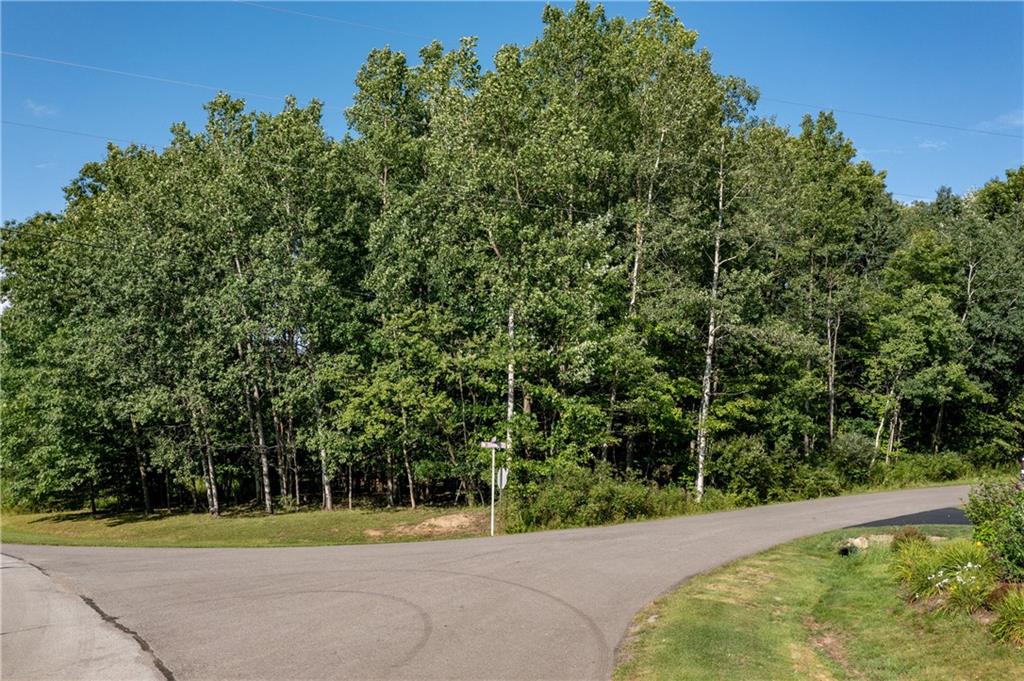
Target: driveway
547, 605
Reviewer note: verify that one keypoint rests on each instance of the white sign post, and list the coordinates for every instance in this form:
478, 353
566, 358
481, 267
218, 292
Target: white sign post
494, 445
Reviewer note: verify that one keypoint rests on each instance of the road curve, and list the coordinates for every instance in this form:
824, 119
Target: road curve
547, 605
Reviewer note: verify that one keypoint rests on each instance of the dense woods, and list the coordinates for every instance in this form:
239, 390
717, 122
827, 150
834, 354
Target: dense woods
592, 249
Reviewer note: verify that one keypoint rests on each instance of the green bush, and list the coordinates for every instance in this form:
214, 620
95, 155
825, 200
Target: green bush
965, 576
915, 565
850, 457
569, 495
985, 502
959, 572
717, 500
918, 468
1009, 625
811, 483
906, 535
753, 475
1008, 539
997, 511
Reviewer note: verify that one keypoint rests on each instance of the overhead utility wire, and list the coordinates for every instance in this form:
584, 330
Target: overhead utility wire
146, 76
910, 121
278, 98
333, 20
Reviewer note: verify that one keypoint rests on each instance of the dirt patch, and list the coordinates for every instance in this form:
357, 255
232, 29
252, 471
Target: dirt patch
373, 534
740, 587
829, 643
984, 617
806, 663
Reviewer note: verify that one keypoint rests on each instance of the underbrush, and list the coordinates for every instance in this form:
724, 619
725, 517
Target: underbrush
982, 575
554, 494
572, 496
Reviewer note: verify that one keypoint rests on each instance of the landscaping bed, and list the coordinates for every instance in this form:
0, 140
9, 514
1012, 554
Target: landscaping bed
804, 610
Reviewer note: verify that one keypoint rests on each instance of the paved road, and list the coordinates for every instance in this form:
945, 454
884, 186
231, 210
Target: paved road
549, 605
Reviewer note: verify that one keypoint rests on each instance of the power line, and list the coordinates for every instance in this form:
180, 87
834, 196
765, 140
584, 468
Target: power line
278, 98
146, 76
333, 20
68, 132
910, 121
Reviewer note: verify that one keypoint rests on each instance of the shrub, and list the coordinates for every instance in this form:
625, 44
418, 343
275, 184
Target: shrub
964, 575
752, 474
812, 483
906, 535
568, 495
917, 468
1009, 625
915, 565
1008, 539
985, 502
997, 511
717, 500
959, 572
851, 455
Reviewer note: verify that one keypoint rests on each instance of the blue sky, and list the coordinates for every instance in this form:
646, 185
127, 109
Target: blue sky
961, 64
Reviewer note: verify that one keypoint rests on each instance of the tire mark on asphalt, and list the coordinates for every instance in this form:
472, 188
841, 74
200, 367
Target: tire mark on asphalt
428, 624
157, 662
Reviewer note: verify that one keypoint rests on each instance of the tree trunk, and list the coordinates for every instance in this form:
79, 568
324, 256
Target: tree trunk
893, 425
294, 454
709, 348
212, 484
405, 458
937, 434
511, 405
140, 459
832, 336
282, 468
350, 486
325, 481
390, 480
268, 502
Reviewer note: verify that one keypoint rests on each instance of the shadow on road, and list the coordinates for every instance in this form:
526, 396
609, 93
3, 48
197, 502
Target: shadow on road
938, 516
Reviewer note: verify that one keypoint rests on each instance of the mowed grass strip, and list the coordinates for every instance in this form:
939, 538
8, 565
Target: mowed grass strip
801, 611
299, 528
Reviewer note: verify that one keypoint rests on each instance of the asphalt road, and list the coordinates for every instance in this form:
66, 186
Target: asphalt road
548, 605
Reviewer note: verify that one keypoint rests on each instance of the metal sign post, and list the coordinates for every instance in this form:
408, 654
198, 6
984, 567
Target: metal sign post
494, 445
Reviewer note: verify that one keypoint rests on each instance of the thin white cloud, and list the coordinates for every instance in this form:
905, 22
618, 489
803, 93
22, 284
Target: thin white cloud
40, 110
932, 145
44, 165
1010, 120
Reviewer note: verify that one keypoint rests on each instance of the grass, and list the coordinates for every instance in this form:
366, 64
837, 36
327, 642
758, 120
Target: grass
299, 528
801, 611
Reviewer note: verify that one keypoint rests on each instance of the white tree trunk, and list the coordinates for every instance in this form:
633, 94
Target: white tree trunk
709, 349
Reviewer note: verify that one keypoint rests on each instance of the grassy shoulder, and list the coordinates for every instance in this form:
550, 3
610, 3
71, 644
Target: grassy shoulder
801, 611
236, 529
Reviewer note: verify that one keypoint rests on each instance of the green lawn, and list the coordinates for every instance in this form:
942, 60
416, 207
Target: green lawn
801, 611
301, 528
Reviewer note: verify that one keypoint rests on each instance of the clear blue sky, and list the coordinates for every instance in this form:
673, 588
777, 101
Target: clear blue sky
952, 63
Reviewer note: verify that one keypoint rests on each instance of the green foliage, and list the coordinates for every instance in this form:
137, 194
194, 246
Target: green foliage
960, 574
905, 536
573, 496
596, 231
1009, 624
918, 468
915, 565
1007, 539
851, 456
997, 511
987, 501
